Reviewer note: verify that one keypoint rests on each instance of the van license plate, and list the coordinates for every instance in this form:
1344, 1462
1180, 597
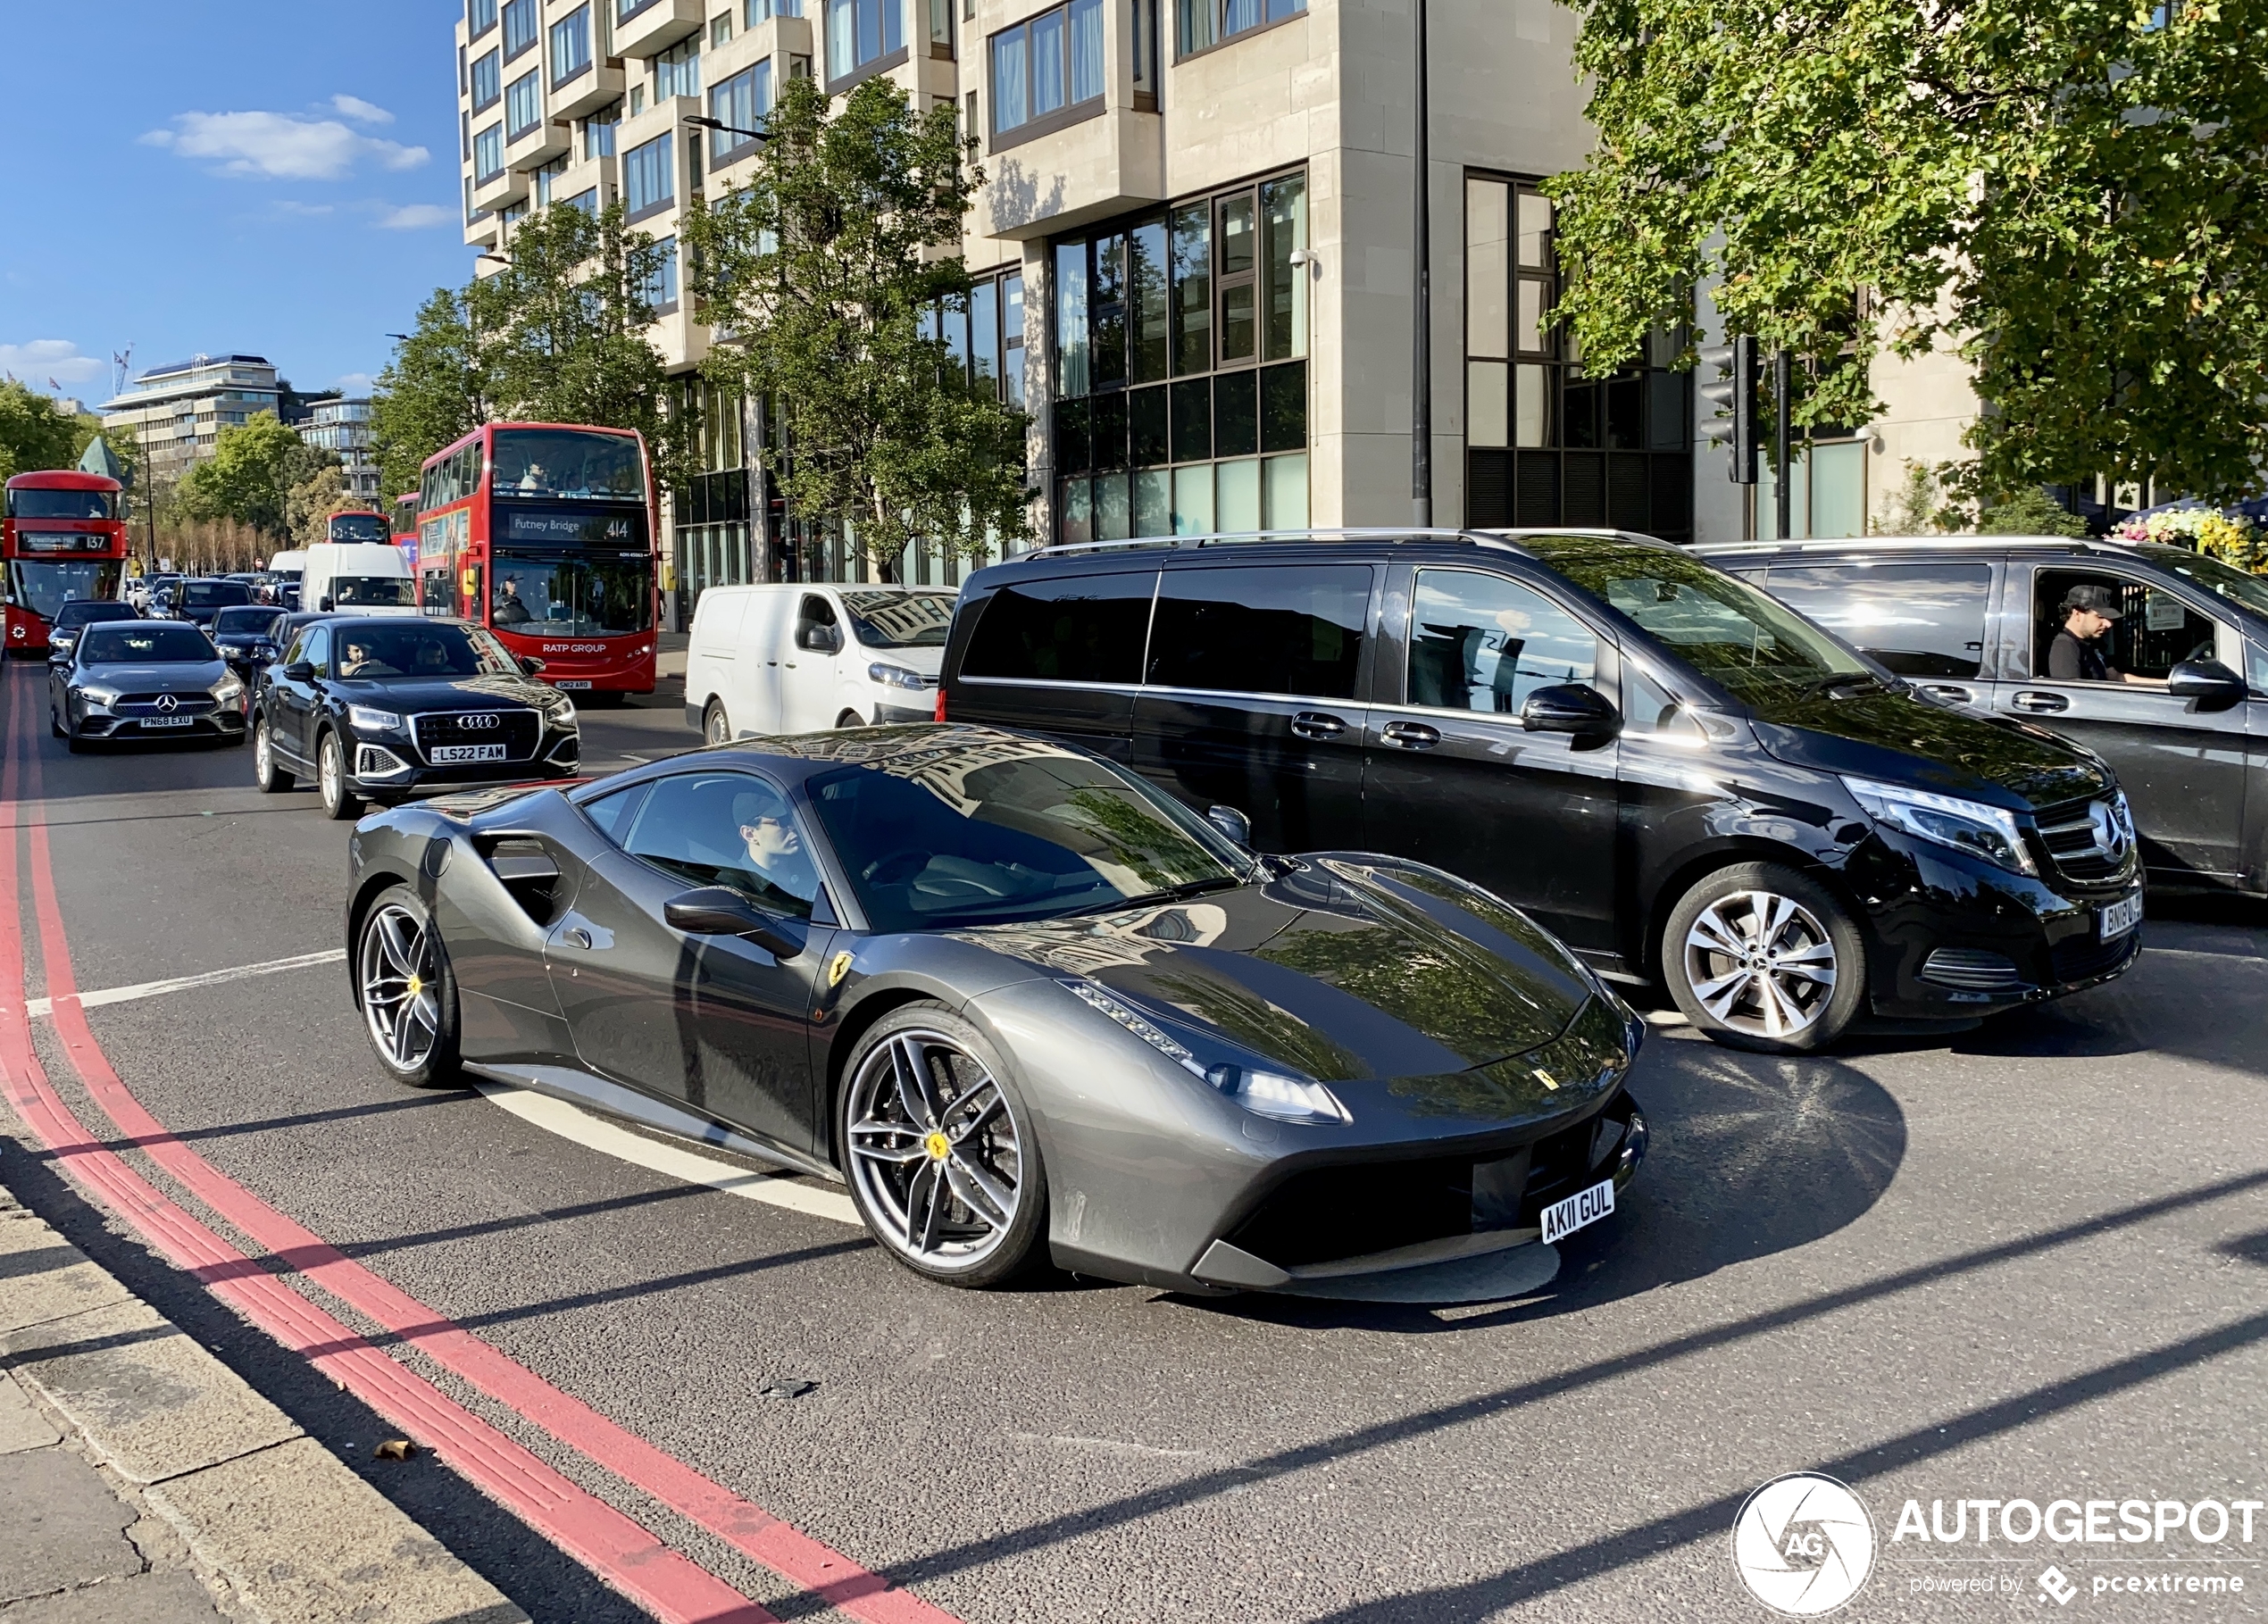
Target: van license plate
573, 684
2121, 916
168, 721
449, 755
1578, 1211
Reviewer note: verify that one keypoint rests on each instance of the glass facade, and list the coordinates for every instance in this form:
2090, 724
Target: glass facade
1180, 369
1546, 442
1205, 23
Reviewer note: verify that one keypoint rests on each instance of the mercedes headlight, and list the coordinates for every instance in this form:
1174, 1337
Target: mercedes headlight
227, 690
1967, 826
371, 718
894, 676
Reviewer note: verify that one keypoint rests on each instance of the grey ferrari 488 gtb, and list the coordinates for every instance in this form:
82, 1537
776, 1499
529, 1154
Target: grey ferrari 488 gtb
1026, 1005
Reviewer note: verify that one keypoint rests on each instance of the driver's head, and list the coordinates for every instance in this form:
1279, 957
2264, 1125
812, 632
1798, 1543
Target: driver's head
2089, 610
431, 656
765, 828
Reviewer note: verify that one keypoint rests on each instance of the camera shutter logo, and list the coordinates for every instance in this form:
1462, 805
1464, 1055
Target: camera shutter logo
1803, 1544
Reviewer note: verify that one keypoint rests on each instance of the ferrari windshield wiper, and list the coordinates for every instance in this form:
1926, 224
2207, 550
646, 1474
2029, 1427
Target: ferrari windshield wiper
1171, 894
1843, 679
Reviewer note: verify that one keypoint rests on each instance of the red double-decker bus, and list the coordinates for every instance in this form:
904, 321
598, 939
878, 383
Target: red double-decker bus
62, 538
544, 533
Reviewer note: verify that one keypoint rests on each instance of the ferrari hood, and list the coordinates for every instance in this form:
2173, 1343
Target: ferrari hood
1353, 967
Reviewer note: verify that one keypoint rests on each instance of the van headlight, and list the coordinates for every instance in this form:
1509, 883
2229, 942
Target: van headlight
1967, 826
894, 676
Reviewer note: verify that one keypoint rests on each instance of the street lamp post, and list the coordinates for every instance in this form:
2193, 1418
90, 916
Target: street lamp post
722, 127
1421, 358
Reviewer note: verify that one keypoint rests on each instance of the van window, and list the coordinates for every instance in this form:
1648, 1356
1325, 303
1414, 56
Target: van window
1482, 643
1295, 629
1919, 619
1079, 628
2154, 632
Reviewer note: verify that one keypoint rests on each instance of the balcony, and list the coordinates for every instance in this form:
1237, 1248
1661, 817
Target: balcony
500, 190
585, 93
551, 139
1071, 175
654, 26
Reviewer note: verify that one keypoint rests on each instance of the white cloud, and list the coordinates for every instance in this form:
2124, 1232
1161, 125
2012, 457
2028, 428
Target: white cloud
353, 384
361, 111
417, 217
44, 358
280, 147
287, 205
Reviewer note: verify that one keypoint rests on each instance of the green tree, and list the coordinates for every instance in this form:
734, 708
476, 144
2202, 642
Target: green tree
2069, 193
248, 476
311, 501
35, 434
440, 385
2030, 512
815, 275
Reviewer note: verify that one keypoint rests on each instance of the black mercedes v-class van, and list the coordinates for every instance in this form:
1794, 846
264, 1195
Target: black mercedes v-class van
1677, 774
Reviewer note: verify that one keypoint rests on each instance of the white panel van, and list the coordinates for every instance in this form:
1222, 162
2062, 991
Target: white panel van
358, 578
803, 659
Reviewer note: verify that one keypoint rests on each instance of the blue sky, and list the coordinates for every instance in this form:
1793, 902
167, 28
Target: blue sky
271, 177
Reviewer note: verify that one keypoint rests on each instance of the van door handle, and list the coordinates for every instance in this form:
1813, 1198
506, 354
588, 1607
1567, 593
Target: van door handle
2035, 701
1317, 724
1948, 690
1411, 735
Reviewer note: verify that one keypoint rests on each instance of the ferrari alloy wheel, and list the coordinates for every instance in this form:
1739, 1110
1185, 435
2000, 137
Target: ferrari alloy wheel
714, 727
331, 776
266, 770
409, 999
939, 1151
1761, 957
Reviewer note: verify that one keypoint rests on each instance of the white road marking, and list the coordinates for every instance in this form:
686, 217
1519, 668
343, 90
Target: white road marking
595, 1133
182, 984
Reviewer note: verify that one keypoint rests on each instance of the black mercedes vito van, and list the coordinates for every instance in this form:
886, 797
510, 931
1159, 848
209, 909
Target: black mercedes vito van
1674, 772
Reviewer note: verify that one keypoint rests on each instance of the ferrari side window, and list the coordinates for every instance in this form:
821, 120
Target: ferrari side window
615, 813
726, 829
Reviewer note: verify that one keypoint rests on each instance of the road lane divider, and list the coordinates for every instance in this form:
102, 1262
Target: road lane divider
610, 1543
821, 1571
43, 1007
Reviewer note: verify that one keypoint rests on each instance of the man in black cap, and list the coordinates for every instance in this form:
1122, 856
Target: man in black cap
2076, 655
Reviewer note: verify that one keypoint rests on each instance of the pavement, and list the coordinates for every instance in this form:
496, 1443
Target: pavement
2029, 1262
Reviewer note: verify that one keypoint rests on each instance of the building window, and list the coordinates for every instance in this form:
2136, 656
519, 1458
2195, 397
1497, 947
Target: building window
720, 30
624, 10
570, 46
488, 154
941, 28
523, 106
547, 178
519, 27
1546, 444
600, 130
1181, 339
1206, 23
480, 17
1826, 493
649, 178
764, 11
661, 288
741, 102
984, 333
586, 201
1048, 73
861, 34
1145, 42
677, 72
487, 81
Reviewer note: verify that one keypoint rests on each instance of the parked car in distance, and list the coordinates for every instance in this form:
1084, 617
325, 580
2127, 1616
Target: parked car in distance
131, 680
1670, 769
1023, 1003
198, 600
797, 659
2178, 707
245, 636
358, 578
381, 709
287, 567
63, 632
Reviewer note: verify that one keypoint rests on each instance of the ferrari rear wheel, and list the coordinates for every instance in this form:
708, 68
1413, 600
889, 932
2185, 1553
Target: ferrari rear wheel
408, 993
939, 1150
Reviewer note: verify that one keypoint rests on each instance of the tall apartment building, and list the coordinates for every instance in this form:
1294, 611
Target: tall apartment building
1193, 250
341, 425
179, 411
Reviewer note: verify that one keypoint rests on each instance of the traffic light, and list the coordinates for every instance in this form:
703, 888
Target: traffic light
1729, 384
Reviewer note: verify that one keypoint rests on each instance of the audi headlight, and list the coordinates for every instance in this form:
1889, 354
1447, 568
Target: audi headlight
371, 718
1967, 826
894, 676
560, 707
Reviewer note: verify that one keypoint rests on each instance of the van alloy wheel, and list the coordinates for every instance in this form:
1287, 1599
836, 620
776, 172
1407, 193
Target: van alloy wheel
1761, 963
935, 1151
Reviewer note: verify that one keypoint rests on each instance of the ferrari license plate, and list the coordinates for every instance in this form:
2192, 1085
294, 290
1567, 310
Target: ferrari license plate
573, 684
168, 721
1578, 1211
2120, 917
450, 755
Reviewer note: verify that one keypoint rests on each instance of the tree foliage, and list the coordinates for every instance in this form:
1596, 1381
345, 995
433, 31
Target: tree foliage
2070, 193
815, 275
250, 475
35, 433
438, 387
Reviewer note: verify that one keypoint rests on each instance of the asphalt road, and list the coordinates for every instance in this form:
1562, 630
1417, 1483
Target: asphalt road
2029, 1262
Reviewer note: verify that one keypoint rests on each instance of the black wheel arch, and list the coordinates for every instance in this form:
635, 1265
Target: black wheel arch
1695, 866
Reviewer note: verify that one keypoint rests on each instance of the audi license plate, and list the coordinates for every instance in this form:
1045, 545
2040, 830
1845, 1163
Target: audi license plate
168, 721
573, 684
2121, 916
1578, 1211
449, 755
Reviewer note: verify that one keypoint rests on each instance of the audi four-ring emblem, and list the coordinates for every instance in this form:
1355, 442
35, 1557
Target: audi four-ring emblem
479, 723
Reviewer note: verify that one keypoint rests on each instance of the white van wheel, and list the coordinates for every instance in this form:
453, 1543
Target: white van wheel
714, 727
850, 719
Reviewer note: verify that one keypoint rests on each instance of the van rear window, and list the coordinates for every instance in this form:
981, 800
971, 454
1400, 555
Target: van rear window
1262, 630
1081, 629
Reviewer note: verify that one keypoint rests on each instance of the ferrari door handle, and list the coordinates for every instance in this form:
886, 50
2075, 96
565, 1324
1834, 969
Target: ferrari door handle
1411, 735
2034, 701
1317, 724
576, 936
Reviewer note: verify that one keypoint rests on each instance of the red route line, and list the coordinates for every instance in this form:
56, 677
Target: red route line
612, 1544
748, 1527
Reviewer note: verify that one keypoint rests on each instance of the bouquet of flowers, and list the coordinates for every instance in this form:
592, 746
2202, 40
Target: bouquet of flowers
2234, 540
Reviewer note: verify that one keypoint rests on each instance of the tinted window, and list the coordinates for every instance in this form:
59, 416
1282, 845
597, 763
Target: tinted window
416, 649
2154, 632
727, 828
613, 813
145, 644
82, 613
1288, 630
1919, 619
253, 621
1084, 628
1482, 643
316, 649
206, 595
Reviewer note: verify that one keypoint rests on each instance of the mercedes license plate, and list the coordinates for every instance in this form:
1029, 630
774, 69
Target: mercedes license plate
573, 683
2121, 916
449, 755
168, 721
1578, 1211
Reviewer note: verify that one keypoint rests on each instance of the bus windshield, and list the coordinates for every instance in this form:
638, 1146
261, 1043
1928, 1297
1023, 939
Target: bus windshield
562, 596
45, 587
358, 527
574, 463
34, 503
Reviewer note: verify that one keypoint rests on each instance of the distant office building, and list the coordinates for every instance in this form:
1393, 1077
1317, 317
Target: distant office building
179, 411
341, 424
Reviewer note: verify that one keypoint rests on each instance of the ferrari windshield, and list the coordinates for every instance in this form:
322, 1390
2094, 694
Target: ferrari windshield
376, 650
1008, 830
144, 643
